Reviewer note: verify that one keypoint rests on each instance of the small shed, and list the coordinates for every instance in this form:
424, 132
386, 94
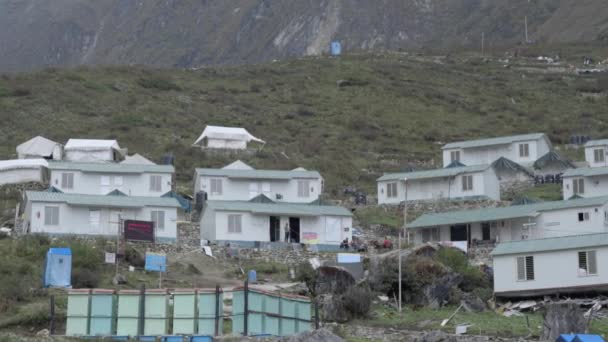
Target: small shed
40, 147
232, 138
58, 268
93, 150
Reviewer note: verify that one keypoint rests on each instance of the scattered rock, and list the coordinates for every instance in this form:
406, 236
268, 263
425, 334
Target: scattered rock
438, 293
120, 87
43, 333
435, 336
321, 335
119, 279
563, 318
472, 303
343, 83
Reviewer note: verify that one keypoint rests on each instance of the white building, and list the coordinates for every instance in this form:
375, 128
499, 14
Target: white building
231, 138
519, 222
18, 171
240, 182
585, 182
60, 214
103, 178
521, 149
92, 150
40, 147
596, 153
478, 181
552, 266
261, 220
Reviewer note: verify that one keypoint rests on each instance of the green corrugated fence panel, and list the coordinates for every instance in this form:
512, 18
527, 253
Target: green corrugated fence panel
272, 325
304, 312
102, 313
206, 312
238, 308
128, 313
155, 321
288, 309
256, 324
184, 312
78, 313
272, 305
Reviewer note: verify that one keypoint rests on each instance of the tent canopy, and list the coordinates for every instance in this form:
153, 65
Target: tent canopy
227, 133
22, 164
37, 146
91, 144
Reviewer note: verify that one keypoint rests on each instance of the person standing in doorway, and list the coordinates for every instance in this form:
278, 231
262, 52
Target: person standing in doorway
287, 232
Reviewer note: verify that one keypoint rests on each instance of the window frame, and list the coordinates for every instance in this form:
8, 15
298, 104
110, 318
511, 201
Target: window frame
454, 153
527, 271
53, 218
590, 269
578, 186
467, 183
156, 216
235, 224
599, 152
216, 183
584, 216
154, 185
391, 190
524, 150
67, 180
303, 188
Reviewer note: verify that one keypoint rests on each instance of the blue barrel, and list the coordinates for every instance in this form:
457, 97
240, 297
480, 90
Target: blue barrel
201, 338
252, 277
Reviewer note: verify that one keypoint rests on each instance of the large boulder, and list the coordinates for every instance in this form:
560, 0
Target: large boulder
332, 280
321, 335
438, 292
562, 318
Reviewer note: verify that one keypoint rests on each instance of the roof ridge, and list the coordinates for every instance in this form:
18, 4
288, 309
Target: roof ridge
554, 237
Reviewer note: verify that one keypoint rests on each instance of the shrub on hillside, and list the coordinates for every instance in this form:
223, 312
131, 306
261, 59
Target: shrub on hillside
159, 83
306, 274
85, 278
357, 301
472, 277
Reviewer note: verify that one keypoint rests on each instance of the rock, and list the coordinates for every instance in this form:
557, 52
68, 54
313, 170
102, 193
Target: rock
119, 279
438, 293
343, 83
435, 336
120, 87
332, 279
332, 309
563, 318
472, 303
321, 335
43, 333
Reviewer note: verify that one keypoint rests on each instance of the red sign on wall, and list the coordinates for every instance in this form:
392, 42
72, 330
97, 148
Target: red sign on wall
139, 230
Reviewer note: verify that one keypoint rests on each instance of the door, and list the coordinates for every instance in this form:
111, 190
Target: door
333, 229
294, 229
485, 231
459, 232
275, 228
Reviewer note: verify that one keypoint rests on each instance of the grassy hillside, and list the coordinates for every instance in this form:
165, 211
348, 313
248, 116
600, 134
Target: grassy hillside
393, 110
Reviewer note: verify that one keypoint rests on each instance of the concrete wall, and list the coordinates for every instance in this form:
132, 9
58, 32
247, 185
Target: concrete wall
132, 184
555, 269
594, 186
15, 176
590, 156
239, 189
76, 220
488, 154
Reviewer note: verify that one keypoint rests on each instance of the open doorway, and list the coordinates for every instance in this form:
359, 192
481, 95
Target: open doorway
294, 229
460, 232
275, 229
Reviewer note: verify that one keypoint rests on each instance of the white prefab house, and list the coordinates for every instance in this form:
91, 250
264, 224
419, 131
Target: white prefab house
478, 181
585, 182
17, 171
263, 220
518, 222
92, 150
102, 178
231, 138
596, 153
40, 147
522, 149
59, 214
240, 182
553, 266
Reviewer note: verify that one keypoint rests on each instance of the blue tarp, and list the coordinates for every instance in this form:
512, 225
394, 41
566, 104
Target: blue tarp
183, 202
156, 262
336, 48
565, 338
587, 338
58, 268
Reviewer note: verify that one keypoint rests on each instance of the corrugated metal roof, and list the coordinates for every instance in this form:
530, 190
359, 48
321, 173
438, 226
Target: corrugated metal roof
279, 208
101, 200
494, 141
111, 167
598, 142
551, 244
257, 174
586, 172
503, 213
436, 173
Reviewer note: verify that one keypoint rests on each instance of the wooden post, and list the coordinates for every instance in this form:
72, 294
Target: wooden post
316, 314
217, 310
246, 309
142, 309
52, 315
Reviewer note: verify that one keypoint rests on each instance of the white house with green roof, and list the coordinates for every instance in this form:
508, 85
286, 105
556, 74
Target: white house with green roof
596, 153
240, 182
585, 182
97, 215
263, 220
551, 266
522, 149
102, 178
519, 222
466, 182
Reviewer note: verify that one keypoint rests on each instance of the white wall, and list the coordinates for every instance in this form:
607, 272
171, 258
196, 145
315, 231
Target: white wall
89, 156
488, 154
382, 192
590, 156
227, 144
137, 184
76, 219
594, 186
565, 221
239, 189
555, 269
15, 176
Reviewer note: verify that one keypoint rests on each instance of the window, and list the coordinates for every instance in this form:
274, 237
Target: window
94, 218
266, 187
391, 190
158, 217
525, 268
578, 186
584, 216
234, 223
67, 181
454, 156
105, 180
598, 155
587, 263
467, 183
431, 234
155, 183
118, 180
51, 216
216, 186
303, 188
524, 150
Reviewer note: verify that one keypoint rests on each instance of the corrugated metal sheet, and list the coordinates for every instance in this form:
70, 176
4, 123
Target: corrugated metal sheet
111, 167
257, 174
101, 200
586, 172
551, 244
436, 173
494, 141
278, 208
598, 142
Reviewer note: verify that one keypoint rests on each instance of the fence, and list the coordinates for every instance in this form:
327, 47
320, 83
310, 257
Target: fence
160, 312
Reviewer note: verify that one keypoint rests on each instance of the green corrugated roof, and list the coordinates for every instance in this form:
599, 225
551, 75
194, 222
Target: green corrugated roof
503, 213
257, 174
436, 173
598, 142
101, 200
551, 244
279, 208
494, 141
111, 167
586, 172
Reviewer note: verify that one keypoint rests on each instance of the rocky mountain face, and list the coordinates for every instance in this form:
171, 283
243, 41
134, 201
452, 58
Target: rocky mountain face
192, 33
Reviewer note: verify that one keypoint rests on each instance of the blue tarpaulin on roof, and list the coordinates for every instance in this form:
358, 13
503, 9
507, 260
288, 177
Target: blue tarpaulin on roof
58, 268
587, 338
183, 202
565, 338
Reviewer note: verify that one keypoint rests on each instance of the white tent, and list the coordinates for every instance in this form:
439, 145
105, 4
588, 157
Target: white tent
22, 171
92, 150
39, 147
235, 138
137, 159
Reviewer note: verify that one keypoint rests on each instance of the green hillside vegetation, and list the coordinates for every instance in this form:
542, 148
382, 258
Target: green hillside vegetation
392, 110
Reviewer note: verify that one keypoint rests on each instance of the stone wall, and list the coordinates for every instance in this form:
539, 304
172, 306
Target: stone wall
509, 190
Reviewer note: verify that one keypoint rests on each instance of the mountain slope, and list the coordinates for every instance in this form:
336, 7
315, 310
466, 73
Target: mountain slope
189, 33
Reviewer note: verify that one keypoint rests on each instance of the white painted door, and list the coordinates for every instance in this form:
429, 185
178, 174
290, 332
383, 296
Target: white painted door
333, 227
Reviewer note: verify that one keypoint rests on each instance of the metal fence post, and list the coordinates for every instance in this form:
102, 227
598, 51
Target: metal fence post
316, 314
52, 314
246, 310
142, 309
217, 310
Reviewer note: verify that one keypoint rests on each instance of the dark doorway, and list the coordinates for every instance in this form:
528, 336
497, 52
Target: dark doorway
485, 231
458, 232
294, 229
275, 229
